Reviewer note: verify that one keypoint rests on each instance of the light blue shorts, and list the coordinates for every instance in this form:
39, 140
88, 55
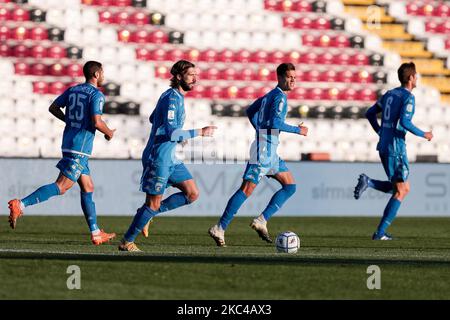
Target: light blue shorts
395, 166
73, 165
156, 178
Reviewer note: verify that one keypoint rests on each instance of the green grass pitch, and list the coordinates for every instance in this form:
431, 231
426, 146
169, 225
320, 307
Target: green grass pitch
180, 261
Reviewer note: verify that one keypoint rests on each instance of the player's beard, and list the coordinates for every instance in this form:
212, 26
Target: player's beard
185, 86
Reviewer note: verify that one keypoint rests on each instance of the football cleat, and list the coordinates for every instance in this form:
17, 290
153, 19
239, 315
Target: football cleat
145, 229
15, 212
128, 246
382, 236
261, 228
101, 237
218, 235
363, 184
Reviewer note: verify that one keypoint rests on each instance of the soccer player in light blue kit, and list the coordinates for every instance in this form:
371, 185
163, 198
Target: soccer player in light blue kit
267, 115
397, 109
161, 168
83, 117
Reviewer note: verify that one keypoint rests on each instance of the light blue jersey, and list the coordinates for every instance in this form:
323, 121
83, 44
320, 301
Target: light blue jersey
397, 107
267, 115
167, 122
83, 101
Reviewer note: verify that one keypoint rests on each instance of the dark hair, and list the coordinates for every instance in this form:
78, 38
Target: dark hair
283, 68
179, 68
405, 71
90, 68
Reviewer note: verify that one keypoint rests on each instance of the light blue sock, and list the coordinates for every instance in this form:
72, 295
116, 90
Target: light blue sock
383, 186
278, 199
143, 215
42, 194
389, 214
174, 201
88, 206
235, 202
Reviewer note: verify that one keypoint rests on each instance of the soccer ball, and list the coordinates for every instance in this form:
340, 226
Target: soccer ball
287, 242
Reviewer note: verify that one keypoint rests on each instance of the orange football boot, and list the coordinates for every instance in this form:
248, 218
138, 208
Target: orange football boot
101, 237
15, 212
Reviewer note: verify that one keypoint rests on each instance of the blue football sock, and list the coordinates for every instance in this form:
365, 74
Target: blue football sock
42, 194
88, 206
278, 199
174, 201
143, 215
233, 205
383, 186
389, 214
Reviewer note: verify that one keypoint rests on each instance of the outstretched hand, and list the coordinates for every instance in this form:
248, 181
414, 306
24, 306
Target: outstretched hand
429, 135
207, 131
303, 129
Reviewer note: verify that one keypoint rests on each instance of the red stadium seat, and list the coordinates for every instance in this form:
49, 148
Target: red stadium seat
289, 22
38, 51
20, 33
158, 55
20, 51
447, 43
141, 36
265, 74
176, 54
199, 92
40, 87
426, 10
139, 18
4, 14
5, 33
5, 50
260, 57
311, 76
57, 52
340, 41
309, 58
304, 23
193, 55
325, 58
443, 10
122, 18
315, 94
412, 9
21, 68
231, 92
308, 40
212, 74
143, 54
270, 5
299, 93
102, 3
228, 73
39, 33
331, 94
431, 26
328, 76
212, 92
321, 24
360, 59
348, 94
56, 87
122, 3
209, 55
324, 41
367, 95
57, 70
246, 74
19, 14
247, 93
162, 72
106, 17
362, 77
74, 70
226, 56
294, 56
39, 69
159, 37
342, 59
263, 90
243, 56
345, 76
302, 6
276, 57
124, 35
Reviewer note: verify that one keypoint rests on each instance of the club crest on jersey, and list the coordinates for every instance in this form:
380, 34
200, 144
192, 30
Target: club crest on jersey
171, 114
158, 186
409, 107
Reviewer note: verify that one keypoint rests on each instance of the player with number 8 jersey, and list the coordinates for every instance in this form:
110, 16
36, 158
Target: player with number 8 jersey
83, 116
